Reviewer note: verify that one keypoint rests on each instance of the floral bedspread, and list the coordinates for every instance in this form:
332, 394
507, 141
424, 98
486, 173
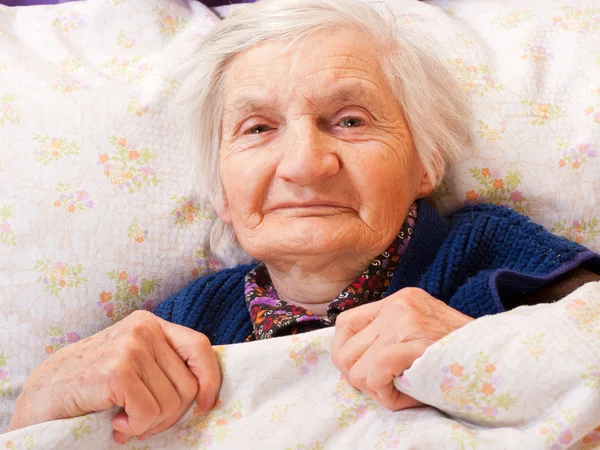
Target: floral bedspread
526, 379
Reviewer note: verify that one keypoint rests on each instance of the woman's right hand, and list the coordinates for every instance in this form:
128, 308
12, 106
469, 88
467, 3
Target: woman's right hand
151, 368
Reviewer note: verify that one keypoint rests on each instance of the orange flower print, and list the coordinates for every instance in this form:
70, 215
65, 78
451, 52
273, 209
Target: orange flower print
134, 154
472, 196
221, 422
488, 389
485, 172
49, 349
71, 208
562, 163
105, 297
57, 203
498, 183
490, 368
123, 275
139, 239
122, 142
62, 283
576, 165
237, 415
133, 289
579, 239
103, 157
456, 369
589, 110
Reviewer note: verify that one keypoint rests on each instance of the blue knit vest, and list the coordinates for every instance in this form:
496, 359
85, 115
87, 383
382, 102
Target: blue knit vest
469, 260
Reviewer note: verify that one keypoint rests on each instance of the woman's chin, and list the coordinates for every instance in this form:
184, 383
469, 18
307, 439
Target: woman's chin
307, 236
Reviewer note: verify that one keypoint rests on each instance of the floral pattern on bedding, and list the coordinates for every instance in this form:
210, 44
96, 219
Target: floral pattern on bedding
95, 180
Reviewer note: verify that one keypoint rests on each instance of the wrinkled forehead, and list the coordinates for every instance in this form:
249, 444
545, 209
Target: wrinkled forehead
332, 65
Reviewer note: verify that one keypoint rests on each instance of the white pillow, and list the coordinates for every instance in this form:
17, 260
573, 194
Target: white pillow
98, 213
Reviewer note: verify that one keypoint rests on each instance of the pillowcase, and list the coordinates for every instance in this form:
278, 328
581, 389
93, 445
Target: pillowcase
98, 212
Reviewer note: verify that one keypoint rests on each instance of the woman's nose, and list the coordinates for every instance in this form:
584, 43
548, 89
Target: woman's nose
308, 156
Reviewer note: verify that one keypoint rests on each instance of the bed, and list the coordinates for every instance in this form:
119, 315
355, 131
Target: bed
100, 216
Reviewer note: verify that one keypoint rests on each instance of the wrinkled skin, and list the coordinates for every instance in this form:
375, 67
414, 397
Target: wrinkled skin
152, 368
376, 342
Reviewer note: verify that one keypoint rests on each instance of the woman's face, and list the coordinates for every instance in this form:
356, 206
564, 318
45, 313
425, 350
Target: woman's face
316, 158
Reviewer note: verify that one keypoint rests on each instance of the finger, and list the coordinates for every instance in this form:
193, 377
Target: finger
345, 356
184, 382
353, 321
196, 352
162, 391
388, 363
161, 387
141, 408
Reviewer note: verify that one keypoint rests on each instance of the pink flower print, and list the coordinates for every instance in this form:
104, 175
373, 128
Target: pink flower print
583, 148
565, 437
132, 279
516, 196
147, 170
448, 383
81, 194
496, 380
72, 337
108, 307
393, 443
361, 410
312, 358
3, 374
89, 204
304, 370
490, 411
8, 106
5, 227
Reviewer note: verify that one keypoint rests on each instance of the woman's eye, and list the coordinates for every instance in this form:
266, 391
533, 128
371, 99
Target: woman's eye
258, 129
351, 122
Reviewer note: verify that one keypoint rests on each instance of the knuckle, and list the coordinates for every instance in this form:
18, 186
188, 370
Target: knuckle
173, 406
189, 390
153, 413
201, 341
356, 379
133, 347
348, 319
141, 314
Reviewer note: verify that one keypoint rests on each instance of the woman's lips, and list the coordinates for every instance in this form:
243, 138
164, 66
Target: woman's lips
310, 209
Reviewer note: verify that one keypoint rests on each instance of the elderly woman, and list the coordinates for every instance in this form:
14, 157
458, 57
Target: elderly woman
321, 128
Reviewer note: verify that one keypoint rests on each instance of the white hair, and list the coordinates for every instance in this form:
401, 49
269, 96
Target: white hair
432, 103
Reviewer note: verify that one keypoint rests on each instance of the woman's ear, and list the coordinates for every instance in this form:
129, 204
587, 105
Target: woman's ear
223, 210
426, 187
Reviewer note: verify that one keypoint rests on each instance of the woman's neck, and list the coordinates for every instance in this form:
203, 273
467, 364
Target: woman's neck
313, 288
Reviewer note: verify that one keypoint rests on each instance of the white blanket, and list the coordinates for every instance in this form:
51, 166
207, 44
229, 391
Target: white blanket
526, 379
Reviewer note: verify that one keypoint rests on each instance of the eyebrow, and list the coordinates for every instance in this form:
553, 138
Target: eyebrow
356, 94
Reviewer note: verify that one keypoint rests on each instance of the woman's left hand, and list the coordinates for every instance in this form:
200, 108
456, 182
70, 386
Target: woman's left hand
376, 342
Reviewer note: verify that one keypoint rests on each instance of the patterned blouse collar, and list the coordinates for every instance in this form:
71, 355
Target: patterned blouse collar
272, 316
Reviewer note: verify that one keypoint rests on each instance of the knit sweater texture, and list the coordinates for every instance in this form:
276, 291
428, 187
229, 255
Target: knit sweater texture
470, 260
